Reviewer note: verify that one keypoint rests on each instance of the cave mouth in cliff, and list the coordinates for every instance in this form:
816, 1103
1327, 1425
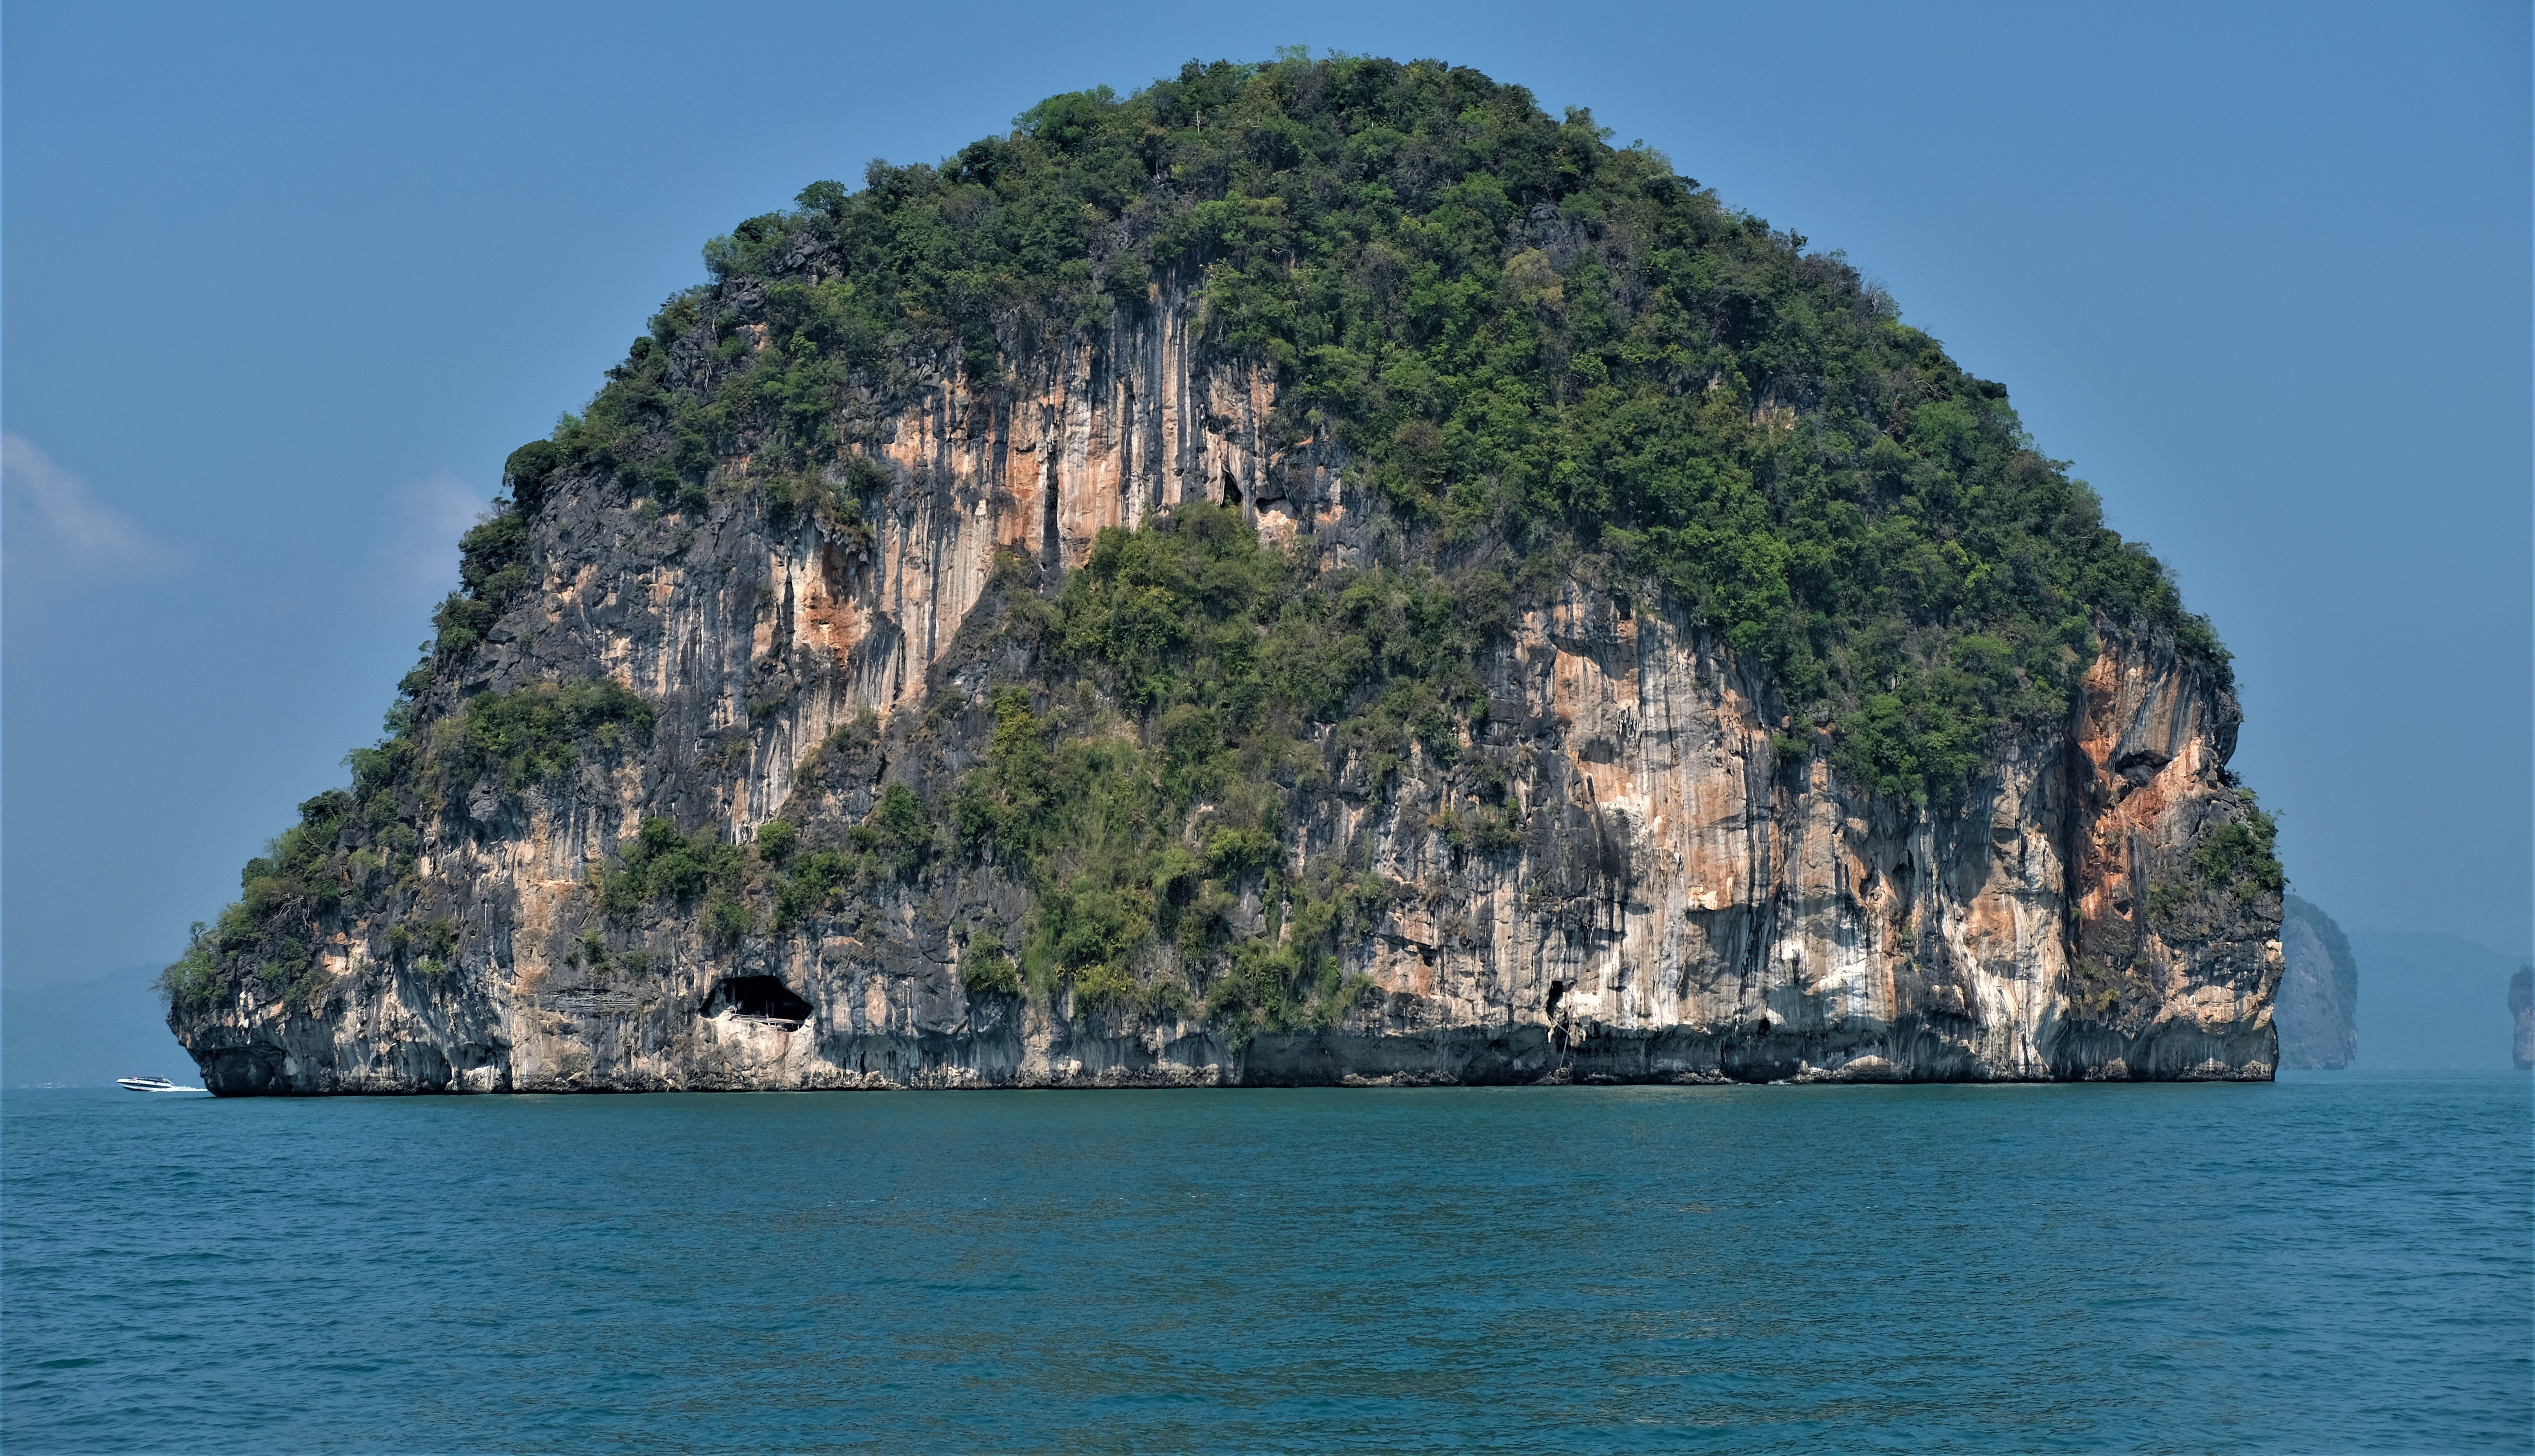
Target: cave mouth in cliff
765, 997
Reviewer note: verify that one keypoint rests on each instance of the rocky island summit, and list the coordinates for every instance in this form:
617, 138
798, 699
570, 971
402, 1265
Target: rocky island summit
1312, 573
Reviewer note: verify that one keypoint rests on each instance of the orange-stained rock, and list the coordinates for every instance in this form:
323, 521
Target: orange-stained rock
1683, 906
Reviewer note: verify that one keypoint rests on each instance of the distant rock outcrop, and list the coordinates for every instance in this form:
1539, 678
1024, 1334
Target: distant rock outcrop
2317, 1010
2521, 1007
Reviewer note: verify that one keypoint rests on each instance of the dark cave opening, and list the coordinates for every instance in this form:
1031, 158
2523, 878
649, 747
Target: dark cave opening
765, 998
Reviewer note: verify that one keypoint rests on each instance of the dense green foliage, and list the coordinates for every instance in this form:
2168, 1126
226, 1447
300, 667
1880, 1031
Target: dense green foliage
294, 863
699, 872
1513, 328
774, 884
531, 735
986, 969
193, 981
2242, 856
725, 885
1145, 831
493, 567
513, 741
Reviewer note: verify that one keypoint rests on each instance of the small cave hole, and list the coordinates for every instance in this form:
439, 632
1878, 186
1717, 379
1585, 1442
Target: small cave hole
1556, 992
760, 998
1231, 490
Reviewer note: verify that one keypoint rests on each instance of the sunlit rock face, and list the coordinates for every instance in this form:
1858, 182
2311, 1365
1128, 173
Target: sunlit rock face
1695, 894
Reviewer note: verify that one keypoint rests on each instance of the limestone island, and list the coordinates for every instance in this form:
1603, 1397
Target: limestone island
1314, 573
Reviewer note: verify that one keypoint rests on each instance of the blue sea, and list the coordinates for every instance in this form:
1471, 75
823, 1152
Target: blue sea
2334, 1262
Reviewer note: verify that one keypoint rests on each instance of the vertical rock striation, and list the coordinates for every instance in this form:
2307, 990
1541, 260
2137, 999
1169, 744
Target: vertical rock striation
1689, 900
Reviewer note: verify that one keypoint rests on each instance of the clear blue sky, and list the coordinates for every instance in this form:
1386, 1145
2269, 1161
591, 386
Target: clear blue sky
284, 283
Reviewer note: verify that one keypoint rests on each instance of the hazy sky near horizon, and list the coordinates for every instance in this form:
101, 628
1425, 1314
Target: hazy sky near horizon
283, 283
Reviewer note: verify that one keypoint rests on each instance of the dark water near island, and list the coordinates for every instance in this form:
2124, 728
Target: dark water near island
2331, 1263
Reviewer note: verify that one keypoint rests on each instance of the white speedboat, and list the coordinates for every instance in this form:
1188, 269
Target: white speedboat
150, 1084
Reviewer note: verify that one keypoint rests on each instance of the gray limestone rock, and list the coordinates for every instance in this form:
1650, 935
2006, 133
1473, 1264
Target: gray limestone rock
2317, 1010
1684, 902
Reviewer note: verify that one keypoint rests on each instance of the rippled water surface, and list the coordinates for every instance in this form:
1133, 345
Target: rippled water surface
2334, 1262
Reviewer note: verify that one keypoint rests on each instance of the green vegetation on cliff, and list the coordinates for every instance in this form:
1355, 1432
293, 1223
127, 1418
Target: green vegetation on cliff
1514, 329
355, 849
2235, 863
1154, 826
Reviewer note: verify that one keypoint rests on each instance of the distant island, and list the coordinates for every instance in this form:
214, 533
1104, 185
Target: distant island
2318, 1009
1311, 573
2521, 1011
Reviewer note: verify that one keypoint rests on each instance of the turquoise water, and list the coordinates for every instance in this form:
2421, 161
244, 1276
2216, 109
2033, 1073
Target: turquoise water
2330, 1263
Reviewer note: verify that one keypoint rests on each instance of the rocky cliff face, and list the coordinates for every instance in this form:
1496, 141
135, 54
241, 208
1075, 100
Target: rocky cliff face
2317, 1010
1689, 890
